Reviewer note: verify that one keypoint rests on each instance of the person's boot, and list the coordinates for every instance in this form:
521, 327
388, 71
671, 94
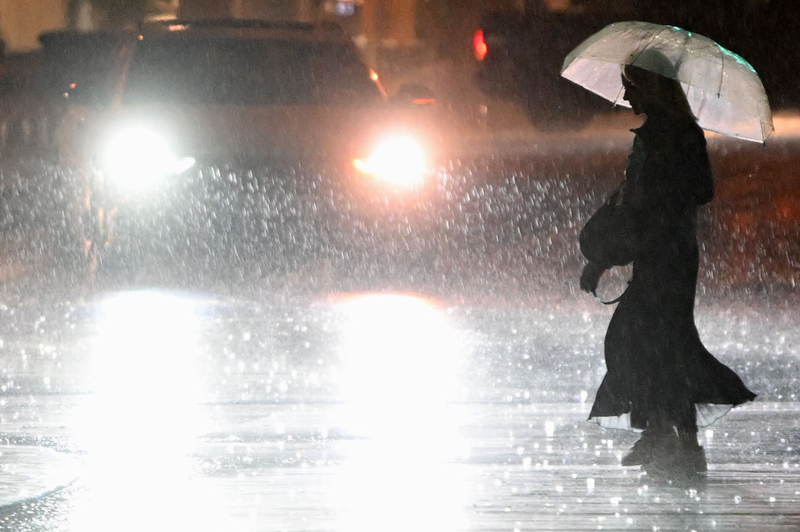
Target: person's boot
678, 458
693, 453
642, 451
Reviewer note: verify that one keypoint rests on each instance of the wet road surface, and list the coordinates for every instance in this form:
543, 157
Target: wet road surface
435, 382
377, 410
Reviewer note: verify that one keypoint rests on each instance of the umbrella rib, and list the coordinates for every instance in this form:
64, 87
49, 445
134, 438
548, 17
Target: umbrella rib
721, 70
645, 47
679, 61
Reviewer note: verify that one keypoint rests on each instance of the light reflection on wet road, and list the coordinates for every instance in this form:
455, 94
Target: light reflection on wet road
373, 410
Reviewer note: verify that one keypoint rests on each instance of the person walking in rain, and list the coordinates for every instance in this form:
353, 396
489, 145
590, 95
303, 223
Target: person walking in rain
660, 378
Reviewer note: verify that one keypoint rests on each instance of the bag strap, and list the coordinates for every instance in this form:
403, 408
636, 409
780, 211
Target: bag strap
613, 301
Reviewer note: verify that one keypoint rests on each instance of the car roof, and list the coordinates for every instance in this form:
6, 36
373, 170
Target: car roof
252, 29
247, 29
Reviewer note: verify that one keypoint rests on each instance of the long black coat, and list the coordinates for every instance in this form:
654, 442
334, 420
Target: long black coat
659, 372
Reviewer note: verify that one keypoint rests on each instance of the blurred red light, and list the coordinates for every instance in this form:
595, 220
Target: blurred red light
480, 45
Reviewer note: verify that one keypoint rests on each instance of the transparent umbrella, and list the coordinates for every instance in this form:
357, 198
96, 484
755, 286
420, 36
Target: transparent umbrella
723, 90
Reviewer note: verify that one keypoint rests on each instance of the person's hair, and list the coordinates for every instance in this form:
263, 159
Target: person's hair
666, 89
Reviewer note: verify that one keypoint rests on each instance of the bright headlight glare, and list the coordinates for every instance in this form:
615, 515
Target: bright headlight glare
398, 160
139, 157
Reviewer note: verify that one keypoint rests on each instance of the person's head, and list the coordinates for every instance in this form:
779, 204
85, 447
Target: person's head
651, 93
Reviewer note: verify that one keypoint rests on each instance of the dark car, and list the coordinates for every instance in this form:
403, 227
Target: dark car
195, 115
520, 53
520, 50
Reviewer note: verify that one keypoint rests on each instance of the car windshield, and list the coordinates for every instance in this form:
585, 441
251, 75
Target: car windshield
246, 72
84, 69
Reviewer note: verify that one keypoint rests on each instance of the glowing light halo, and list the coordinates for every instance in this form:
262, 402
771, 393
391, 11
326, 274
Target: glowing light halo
400, 386
139, 425
396, 343
398, 160
138, 156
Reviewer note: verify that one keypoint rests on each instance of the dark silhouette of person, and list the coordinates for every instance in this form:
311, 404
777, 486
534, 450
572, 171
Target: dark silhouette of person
660, 378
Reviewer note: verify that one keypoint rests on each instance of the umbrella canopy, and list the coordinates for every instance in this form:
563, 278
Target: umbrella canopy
723, 90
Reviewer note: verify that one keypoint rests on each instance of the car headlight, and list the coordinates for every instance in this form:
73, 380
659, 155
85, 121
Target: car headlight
138, 157
396, 160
